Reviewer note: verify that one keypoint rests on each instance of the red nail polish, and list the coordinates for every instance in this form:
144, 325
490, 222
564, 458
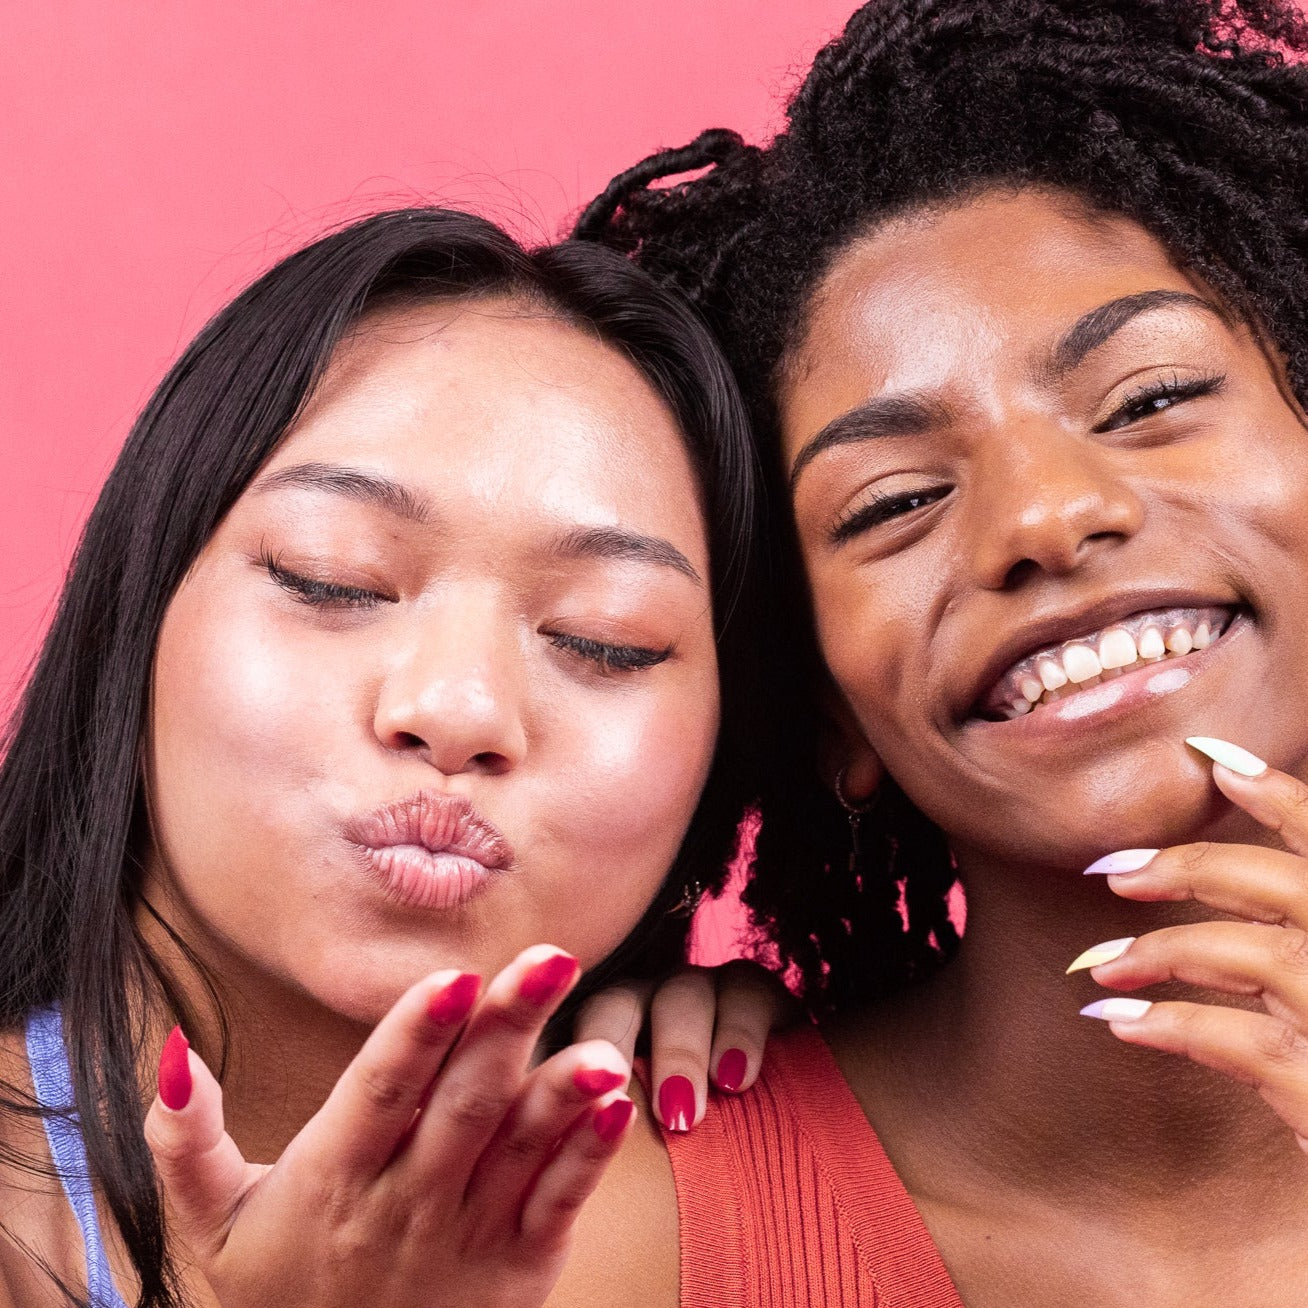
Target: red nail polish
596, 1081
175, 1071
454, 1003
731, 1070
611, 1120
677, 1103
547, 980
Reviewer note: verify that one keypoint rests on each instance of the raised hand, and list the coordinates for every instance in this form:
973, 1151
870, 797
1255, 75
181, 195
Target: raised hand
1265, 954
700, 1018
442, 1170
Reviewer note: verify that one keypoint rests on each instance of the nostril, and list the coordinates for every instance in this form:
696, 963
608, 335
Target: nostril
407, 740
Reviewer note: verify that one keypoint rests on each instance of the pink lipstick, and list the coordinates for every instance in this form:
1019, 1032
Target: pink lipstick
430, 851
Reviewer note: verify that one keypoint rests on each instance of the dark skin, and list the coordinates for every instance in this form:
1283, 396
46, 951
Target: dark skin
1048, 468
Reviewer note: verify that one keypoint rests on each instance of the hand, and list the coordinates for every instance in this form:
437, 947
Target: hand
440, 1171
700, 1018
1263, 955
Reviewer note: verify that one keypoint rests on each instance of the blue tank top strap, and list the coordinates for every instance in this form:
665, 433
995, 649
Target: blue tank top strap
53, 1081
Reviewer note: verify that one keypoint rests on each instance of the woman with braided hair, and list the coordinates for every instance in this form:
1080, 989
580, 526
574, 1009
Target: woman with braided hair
1019, 301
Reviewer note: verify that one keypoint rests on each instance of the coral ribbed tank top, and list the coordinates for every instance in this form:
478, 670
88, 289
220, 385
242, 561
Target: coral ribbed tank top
786, 1198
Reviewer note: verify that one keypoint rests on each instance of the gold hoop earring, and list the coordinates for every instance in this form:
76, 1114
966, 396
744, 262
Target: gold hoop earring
691, 894
854, 812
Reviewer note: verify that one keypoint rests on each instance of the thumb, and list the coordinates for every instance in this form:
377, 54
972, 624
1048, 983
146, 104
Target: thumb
203, 1173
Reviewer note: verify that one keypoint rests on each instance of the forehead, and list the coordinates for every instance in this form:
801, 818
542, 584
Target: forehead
492, 399
983, 282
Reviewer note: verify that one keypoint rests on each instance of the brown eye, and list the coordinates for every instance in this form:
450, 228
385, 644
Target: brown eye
1158, 397
882, 508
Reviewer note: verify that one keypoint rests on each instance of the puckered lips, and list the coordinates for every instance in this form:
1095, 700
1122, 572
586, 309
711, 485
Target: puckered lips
1065, 654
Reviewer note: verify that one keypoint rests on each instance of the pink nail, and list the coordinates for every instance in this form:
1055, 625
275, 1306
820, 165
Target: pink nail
677, 1103
596, 1081
611, 1120
731, 1070
1125, 860
547, 980
451, 1005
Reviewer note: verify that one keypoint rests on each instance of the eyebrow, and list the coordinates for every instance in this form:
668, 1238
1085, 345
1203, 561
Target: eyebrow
618, 543
354, 484
885, 415
1095, 328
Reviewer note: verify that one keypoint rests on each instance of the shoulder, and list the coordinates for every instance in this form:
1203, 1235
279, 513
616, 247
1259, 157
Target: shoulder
625, 1249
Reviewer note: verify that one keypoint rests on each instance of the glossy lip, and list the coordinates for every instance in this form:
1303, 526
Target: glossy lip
1122, 697
1056, 628
430, 851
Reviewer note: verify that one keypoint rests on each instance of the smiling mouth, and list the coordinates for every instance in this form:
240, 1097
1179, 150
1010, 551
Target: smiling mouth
1142, 640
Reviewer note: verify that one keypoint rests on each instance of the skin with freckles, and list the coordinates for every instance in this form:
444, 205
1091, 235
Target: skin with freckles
1009, 424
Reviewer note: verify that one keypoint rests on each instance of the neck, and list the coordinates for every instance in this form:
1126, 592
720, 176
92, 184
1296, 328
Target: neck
987, 1077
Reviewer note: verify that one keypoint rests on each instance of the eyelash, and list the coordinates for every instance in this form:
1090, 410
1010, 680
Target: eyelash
320, 594
881, 508
1145, 402
610, 659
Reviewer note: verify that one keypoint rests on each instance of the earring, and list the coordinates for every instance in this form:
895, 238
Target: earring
854, 812
691, 893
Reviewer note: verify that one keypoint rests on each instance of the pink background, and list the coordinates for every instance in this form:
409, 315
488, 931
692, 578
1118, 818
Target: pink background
161, 153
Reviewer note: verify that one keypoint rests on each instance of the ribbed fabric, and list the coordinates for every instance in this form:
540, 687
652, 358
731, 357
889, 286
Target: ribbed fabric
53, 1081
786, 1198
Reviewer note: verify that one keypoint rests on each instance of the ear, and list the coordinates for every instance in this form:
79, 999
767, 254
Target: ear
843, 748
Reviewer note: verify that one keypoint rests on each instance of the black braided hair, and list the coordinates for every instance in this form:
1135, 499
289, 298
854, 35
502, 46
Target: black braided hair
1188, 116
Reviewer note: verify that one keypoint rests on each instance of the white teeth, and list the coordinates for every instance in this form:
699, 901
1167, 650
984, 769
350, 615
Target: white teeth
1116, 648
1203, 636
1151, 644
1180, 641
1031, 688
1022, 706
1080, 663
1052, 676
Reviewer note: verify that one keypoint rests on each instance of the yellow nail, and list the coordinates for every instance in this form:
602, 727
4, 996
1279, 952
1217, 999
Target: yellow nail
1104, 953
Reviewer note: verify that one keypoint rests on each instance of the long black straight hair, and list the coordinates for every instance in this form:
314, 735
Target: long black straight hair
72, 836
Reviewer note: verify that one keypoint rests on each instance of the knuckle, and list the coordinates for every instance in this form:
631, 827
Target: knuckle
467, 1106
1291, 950
678, 1055
384, 1093
168, 1147
1283, 1047
1193, 859
529, 1141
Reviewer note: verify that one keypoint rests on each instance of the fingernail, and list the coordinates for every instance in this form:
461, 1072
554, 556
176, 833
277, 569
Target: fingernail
175, 1071
1228, 755
677, 1103
453, 1004
1125, 860
1104, 953
1117, 1009
547, 980
611, 1120
596, 1081
731, 1070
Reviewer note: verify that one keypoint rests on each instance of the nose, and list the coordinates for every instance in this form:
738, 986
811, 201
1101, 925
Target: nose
1045, 502
453, 690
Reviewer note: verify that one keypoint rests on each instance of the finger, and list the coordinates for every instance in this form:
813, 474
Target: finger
557, 1093
1236, 957
1259, 885
615, 1014
485, 1072
751, 1003
681, 1036
1254, 1048
203, 1174
1275, 799
571, 1176
371, 1109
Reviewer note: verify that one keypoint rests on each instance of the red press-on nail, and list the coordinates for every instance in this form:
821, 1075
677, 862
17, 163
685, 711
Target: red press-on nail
731, 1070
549, 979
175, 1071
596, 1081
611, 1120
454, 1003
677, 1103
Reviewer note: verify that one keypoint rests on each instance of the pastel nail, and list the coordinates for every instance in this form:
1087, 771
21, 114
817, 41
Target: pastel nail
596, 1081
1124, 860
1117, 1009
1228, 755
731, 1070
452, 1004
677, 1103
1104, 953
610, 1121
175, 1071
547, 980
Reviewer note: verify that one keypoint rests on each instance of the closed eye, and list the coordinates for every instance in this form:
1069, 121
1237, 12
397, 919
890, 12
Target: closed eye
318, 593
609, 658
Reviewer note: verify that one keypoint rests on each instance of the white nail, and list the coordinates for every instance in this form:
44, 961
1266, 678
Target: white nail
1228, 755
1117, 1009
